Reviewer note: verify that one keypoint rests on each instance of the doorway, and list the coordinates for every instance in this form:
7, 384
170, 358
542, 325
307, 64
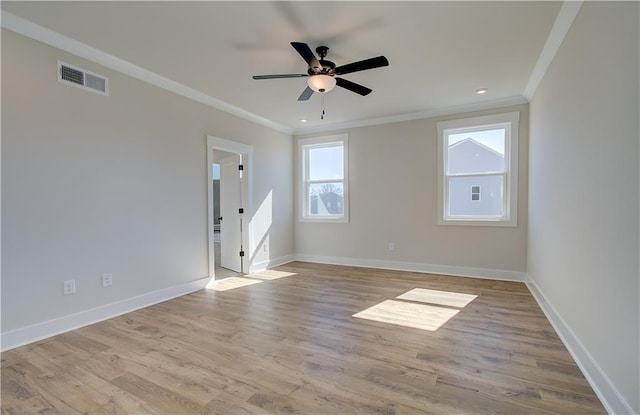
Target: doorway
229, 200
227, 222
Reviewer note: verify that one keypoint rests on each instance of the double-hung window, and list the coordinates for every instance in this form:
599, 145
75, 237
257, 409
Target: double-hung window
478, 170
324, 184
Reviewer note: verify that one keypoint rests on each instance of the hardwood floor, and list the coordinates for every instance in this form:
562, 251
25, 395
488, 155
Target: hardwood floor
289, 344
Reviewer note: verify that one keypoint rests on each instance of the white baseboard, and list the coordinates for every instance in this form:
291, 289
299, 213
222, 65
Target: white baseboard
608, 394
39, 331
261, 266
492, 274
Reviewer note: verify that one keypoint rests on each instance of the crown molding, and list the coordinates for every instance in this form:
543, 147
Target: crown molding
561, 26
458, 109
34, 31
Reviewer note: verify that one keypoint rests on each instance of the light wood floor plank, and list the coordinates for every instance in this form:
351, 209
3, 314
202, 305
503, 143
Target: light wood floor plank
289, 343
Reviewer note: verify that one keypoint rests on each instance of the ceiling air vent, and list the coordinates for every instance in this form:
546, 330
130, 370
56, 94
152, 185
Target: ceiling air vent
75, 76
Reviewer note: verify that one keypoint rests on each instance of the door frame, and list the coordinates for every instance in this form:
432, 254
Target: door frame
246, 151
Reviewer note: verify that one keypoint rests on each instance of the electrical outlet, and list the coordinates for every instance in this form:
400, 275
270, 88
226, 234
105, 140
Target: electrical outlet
392, 246
69, 287
107, 280
266, 247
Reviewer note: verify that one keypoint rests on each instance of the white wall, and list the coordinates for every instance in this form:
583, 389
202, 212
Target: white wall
94, 184
583, 205
393, 191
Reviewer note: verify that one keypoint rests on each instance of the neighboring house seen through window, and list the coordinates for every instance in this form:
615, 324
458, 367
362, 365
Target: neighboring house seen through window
478, 154
323, 187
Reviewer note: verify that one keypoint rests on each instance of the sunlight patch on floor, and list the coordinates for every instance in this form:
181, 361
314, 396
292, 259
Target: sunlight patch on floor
445, 298
417, 316
419, 308
271, 274
232, 283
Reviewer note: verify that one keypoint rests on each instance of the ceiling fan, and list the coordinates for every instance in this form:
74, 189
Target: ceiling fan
322, 73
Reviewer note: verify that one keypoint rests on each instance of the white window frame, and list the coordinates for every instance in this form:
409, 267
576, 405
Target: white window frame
476, 193
509, 121
304, 144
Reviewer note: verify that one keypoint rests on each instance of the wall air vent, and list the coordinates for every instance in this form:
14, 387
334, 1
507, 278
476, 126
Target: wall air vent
71, 75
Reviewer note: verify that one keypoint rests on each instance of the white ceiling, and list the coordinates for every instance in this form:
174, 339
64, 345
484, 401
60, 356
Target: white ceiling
440, 53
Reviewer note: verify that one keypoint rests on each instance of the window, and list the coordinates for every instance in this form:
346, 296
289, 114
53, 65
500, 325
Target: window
475, 193
478, 154
323, 189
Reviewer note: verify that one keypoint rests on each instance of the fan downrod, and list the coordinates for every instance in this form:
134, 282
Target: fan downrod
326, 67
322, 51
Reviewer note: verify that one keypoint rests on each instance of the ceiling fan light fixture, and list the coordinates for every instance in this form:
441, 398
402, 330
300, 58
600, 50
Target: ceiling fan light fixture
321, 83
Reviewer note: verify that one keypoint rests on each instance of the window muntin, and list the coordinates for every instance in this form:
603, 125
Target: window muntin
323, 179
478, 170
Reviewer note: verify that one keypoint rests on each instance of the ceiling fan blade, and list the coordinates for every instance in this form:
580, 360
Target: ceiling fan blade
362, 65
306, 94
281, 76
308, 56
352, 86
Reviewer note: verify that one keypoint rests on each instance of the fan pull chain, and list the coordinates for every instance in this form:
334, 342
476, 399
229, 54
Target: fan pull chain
322, 106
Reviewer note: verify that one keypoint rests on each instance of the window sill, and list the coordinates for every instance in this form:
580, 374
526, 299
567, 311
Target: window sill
479, 222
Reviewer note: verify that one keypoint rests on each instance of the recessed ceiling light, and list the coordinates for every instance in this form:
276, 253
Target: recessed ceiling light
482, 91
303, 120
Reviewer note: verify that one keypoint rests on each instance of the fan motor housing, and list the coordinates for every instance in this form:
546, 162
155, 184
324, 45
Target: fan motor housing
328, 68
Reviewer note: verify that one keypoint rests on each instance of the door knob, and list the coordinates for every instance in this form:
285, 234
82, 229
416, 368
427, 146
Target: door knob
220, 218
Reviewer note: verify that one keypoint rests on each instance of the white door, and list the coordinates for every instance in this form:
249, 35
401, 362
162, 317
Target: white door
230, 224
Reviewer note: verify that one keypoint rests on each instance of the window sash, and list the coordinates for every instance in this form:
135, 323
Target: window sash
306, 145
504, 173
510, 123
307, 154
472, 129
493, 173
308, 213
505, 198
